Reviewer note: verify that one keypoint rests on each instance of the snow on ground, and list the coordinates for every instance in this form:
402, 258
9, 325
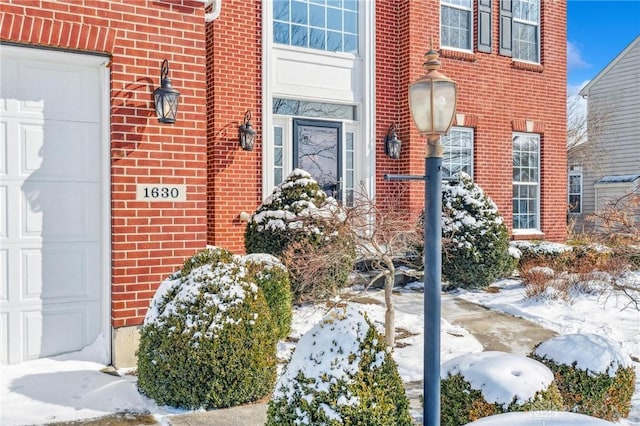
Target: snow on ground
72, 388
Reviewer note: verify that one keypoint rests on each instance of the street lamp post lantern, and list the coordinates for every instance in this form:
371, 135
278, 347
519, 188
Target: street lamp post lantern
432, 101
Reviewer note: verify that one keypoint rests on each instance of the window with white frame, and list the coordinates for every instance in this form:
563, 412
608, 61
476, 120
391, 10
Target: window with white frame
458, 151
456, 24
520, 29
330, 25
575, 190
526, 181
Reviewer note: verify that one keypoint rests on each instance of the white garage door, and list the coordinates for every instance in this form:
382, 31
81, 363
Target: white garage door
53, 202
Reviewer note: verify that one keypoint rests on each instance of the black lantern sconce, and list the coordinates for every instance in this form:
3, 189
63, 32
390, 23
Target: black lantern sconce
166, 97
246, 134
392, 143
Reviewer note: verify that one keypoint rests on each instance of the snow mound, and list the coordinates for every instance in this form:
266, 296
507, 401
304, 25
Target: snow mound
500, 376
591, 352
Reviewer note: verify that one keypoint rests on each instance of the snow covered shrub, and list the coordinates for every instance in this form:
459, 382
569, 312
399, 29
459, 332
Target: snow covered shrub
481, 384
273, 278
340, 373
207, 339
594, 375
543, 253
299, 214
475, 238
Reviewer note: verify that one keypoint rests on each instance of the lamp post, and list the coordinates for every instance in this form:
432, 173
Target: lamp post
432, 101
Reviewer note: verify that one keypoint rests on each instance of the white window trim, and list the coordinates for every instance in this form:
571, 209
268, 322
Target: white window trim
365, 126
471, 131
471, 26
537, 229
537, 24
576, 173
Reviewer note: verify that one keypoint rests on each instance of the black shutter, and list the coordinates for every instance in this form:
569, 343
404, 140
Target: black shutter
484, 26
506, 19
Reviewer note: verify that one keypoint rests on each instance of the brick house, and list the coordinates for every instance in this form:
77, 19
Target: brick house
84, 244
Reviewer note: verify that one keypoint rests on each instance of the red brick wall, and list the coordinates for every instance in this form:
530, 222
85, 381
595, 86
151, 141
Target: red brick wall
493, 93
149, 240
234, 69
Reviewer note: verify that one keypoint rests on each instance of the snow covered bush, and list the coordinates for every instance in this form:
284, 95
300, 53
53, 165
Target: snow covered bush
542, 252
594, 375
340, 373
475, 240
481, 384
207, 339
299, 223
273, 278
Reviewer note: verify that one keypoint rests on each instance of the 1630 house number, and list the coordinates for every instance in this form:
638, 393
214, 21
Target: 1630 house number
161, 193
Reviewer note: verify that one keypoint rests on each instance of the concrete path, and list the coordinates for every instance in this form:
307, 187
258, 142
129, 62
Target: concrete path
494, 330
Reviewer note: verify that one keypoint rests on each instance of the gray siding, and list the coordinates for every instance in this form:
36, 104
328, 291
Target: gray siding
616, 91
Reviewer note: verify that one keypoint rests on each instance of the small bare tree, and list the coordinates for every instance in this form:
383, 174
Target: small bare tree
584, 129
384, 236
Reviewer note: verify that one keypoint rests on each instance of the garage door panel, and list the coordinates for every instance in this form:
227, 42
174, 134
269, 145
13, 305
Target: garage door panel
4, 220
70, 152
31, 147
72, 82
4, 338
3, 149
61, 273
57, 211
4, 275
54, 331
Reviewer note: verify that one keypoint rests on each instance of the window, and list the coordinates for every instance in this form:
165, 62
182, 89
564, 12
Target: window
278, 147
349, 185
458, 151
526, 181
575, 190
330, 25
520, 29
456, 24
313, 109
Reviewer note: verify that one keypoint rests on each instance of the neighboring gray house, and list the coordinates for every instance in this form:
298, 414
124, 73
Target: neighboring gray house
607, 164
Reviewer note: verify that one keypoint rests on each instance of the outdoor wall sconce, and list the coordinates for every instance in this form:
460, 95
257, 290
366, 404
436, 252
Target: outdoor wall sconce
392, 143
166, 97
246, 134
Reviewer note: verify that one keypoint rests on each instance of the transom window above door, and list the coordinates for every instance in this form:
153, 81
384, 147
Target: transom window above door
330, 25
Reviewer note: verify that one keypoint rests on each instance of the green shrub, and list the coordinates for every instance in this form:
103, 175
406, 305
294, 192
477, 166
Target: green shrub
465, 400
475, 240
298, 220
340, 373
593, 374
207, 340
272, 277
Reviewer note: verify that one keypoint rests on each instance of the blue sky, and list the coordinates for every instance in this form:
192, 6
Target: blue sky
597, 31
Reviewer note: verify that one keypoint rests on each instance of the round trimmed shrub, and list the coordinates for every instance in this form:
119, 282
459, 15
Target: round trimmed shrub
273, 278
340, 373
475, 238
594, 375
298, 222
207, 340
482, 384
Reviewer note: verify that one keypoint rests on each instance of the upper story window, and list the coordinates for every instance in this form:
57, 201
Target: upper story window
520, 29
330, 25
456, 24
458, 151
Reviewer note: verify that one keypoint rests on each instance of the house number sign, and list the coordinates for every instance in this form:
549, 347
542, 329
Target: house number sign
161, 193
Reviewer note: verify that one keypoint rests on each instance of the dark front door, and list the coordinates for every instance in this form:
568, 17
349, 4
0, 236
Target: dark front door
317, 147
